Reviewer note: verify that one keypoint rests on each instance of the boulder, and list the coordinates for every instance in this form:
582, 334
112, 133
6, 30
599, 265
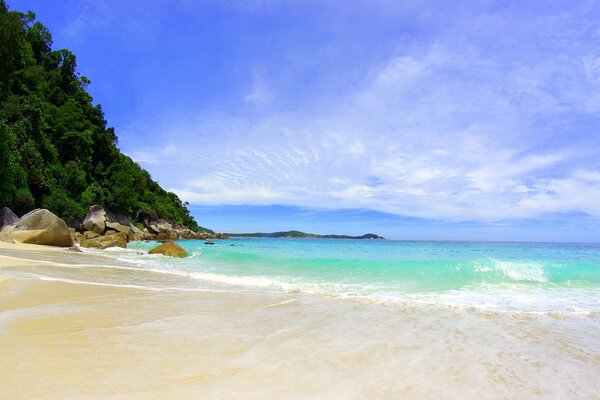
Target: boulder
7, 217
136, 230
78, 237
114, 239
73, 234
159, 227
186, 233
136, 233
5, 237
169, 248
150, 222
77, 224
167, 236
151, 228
152, 216
41, 227
121, 219
90, 235
156, 225
163, 226
95, 220
115, 226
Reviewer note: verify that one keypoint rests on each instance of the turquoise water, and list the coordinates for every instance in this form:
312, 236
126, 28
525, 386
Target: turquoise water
513, 276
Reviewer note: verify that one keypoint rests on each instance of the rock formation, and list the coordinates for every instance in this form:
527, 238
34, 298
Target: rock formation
40, 227
95, 220
98, 229
7, 217
169, 248
116, 227
113, 239
5, 237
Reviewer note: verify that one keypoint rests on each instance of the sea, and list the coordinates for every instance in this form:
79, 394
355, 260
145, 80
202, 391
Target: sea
494, 276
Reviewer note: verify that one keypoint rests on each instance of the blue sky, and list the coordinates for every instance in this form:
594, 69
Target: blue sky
412, 119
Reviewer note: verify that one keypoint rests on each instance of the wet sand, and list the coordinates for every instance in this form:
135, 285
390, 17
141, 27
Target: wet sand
77, 326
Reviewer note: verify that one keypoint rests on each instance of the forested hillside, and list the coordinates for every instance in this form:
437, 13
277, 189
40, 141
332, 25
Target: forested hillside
56, 150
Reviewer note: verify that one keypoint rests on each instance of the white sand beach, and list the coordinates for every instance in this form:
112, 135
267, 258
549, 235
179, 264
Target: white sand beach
81, 326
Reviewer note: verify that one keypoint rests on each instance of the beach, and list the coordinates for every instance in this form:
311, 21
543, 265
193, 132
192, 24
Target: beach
85, 326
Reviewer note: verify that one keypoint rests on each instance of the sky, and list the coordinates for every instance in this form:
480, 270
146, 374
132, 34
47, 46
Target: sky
474, 120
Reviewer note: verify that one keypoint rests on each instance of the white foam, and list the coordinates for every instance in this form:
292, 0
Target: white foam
261, 282
498, 298
519, 271
514, 297
127, 286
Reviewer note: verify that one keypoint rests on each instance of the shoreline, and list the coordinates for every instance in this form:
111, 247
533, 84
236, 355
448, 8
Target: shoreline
63, 338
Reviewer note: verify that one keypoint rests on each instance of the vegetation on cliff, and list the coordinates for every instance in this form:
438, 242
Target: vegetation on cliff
56, 150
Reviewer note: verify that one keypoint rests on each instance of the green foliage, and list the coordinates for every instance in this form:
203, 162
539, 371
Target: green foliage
61, 203
56, 151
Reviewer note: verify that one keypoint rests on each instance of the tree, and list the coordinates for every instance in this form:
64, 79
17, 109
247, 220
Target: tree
56, 150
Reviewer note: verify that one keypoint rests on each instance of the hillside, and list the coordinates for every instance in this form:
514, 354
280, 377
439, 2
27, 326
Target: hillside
298, 234
57, 151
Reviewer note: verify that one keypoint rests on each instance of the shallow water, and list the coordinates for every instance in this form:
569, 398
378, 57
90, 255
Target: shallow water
527, 277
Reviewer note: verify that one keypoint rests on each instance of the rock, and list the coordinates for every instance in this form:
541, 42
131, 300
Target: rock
74, 249
41, 227
121, 219
90, 235
95, 220
78, 237
136, 233
5, 237
186, 233
163, 226
168, 236
170, 249
157, 225
115, 226
151, 228
7, 217
134, 229
77, 224
152, 216
150, 223
115, 239
73, 234
209, 242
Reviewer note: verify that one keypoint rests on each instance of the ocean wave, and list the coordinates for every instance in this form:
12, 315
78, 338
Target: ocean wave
520, 271
503, 297
260, 282
480, 299
484, 284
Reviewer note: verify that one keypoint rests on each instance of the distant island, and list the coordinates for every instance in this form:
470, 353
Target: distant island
298, 234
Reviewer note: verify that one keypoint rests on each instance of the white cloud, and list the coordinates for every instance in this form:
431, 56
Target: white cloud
260, 92
441, 131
